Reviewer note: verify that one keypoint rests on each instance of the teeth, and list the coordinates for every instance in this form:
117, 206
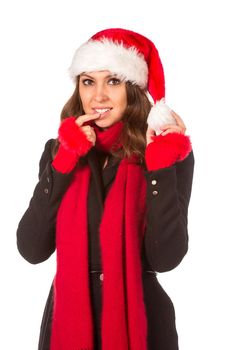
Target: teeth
101, 111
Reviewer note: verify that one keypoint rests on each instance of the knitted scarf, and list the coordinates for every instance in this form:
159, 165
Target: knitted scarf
123, 318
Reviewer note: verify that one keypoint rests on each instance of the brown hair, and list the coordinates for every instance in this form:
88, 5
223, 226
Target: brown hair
133, 136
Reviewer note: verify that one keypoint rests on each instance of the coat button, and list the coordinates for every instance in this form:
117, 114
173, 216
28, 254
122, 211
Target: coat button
101, 277
154, 182
46, 190
155, 193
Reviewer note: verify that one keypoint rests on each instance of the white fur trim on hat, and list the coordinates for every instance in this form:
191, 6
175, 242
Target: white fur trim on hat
95, 55
159, 115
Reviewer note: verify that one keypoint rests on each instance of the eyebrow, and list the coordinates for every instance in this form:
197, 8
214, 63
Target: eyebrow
108, 76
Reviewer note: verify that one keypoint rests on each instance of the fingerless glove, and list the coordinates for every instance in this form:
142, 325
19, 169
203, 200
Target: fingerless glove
73, 145
166, 150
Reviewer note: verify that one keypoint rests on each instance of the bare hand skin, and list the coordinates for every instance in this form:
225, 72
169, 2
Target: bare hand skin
180, 127
167, 128
87, 129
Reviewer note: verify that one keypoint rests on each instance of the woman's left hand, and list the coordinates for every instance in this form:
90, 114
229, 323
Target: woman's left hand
180, 127
167, 128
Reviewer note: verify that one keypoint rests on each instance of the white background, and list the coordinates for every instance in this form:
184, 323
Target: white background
38, 39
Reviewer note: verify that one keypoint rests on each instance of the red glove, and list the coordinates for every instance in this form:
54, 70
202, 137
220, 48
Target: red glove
73, 145
166, 150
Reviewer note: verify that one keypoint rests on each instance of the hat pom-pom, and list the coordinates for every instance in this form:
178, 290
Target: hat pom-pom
159, 115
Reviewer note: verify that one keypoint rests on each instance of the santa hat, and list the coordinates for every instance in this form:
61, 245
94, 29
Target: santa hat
131, 56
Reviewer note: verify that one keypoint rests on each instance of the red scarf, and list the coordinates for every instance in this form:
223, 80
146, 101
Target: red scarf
123, 322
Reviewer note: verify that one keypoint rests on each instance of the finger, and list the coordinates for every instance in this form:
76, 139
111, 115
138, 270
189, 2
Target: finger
172, 126
170, 131
178, 119
92, 139
88, 131
149, 133
86, 128
176, 115
86, 117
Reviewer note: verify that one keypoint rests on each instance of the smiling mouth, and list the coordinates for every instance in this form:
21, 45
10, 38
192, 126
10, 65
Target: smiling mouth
102, 110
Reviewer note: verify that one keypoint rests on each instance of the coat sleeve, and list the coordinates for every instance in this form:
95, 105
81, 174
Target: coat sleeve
36, 229
168, 196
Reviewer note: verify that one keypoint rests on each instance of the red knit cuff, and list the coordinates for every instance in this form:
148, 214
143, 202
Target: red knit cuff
65, 160
164, 151
72, 137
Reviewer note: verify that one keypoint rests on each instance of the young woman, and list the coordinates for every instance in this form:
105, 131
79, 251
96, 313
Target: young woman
112, 199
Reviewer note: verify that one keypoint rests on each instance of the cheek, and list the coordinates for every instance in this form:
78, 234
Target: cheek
123, 103
84, 97
122, 99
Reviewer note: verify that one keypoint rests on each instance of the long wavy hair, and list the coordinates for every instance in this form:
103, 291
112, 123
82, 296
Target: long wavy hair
133, 135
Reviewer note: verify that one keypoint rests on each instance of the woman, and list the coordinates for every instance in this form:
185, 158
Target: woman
112, 199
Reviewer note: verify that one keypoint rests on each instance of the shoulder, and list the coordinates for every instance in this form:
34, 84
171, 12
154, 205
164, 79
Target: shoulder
46, 154
49, 143
48, 148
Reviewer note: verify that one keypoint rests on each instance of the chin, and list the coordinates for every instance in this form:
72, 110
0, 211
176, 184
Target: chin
102, 125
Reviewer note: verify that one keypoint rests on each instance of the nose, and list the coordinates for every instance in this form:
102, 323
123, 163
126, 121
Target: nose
100, 93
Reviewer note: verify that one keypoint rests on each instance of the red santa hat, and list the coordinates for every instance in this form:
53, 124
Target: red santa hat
131, 56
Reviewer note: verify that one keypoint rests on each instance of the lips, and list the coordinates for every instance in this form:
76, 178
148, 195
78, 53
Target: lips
101, 110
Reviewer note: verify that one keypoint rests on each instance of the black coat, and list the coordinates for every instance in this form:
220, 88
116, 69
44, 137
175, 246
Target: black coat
165, 242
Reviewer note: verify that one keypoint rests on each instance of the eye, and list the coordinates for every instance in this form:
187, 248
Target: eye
87, 82
114, 81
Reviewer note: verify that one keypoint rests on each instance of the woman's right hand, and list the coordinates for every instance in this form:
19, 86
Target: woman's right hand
75, 140
76, 137
87, 129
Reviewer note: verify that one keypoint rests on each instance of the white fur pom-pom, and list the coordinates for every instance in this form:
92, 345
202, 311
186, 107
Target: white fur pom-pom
159, 115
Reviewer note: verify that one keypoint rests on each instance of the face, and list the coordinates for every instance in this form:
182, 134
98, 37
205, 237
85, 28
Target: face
104, 93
